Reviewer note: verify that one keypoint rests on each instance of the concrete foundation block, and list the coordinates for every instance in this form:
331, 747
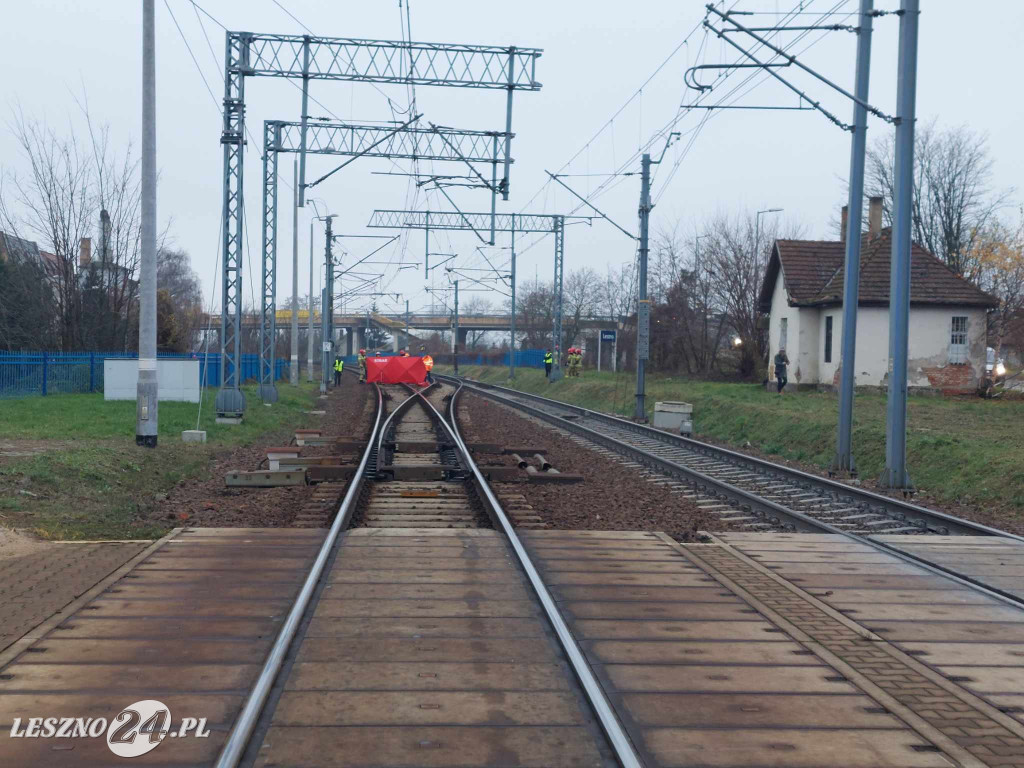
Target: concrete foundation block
229, 419
193, 436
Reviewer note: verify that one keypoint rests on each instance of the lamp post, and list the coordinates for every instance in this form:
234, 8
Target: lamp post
757, 227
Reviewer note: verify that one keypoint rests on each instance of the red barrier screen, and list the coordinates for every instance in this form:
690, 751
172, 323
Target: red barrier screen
396, 370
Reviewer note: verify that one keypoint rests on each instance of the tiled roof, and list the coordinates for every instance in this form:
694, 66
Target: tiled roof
18, 248
813, 272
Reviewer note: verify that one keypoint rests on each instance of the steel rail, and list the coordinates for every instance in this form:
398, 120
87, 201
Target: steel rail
715, 487
903, 509
613, 730
238, 740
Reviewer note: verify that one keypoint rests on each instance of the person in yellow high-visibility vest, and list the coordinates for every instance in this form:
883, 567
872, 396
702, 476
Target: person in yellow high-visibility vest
339, 365
428, 363
361, 361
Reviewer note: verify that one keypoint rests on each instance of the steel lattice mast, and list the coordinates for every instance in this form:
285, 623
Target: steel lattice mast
503, 222
308, 57
351, 140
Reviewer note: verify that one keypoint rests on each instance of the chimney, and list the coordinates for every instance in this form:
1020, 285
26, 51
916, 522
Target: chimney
84, 252
844, 218
104, 244
875, 217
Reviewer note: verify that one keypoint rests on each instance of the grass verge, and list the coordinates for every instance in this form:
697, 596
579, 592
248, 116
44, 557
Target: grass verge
70, 469
961, 451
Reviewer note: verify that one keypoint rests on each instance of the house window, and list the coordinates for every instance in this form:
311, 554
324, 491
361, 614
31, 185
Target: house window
828, 339
958, 341
783, 331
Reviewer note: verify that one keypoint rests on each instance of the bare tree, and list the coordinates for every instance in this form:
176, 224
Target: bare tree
954, 201
176, 278
581, 298
477, 305
52, 204
736, 266
71, 192
999, 254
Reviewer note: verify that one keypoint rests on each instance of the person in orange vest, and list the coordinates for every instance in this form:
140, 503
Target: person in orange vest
428, 363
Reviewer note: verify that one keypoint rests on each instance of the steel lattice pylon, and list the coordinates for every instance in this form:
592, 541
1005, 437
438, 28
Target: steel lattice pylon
268, 283
346, 139
307, 57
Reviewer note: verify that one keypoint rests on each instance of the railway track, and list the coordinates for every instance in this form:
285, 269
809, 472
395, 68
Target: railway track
756, 494
415, 477
423, 630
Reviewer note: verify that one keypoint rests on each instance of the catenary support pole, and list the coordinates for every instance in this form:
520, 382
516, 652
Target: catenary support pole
309, 345
895, 474
325, 309
847, 362
294, 377
146, 416
512, 315
557, 285
643, 310
407, 324
455, 334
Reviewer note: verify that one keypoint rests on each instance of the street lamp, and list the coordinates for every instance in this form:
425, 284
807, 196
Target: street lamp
757, 228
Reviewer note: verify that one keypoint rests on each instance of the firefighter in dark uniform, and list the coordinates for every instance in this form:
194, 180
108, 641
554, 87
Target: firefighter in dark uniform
361, 361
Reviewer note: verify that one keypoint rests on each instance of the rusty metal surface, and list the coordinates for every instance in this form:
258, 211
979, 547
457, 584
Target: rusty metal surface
189, 626
951, 653
730, 664
444, 661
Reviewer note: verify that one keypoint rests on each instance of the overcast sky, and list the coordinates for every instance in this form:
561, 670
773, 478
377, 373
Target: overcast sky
596, 57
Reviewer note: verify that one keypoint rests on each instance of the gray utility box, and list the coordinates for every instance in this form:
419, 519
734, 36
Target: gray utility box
674, 416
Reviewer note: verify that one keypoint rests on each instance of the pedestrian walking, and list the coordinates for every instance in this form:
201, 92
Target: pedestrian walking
781, 361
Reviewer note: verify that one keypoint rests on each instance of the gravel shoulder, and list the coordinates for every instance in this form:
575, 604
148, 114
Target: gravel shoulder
209, 503
611, 496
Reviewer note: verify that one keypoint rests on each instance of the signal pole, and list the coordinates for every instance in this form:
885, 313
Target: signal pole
146, 399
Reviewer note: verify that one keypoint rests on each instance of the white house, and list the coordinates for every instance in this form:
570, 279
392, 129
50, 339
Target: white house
803, 294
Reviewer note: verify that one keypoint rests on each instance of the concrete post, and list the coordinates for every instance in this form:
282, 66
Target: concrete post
146, 409
294, 371
309, 344
512, 317
895, 474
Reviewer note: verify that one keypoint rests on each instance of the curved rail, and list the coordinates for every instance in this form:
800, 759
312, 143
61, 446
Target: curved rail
613, 729
904, 510
235, 746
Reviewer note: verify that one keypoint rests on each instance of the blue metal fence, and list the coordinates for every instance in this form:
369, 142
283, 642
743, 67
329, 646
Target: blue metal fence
525, 358
23, 374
